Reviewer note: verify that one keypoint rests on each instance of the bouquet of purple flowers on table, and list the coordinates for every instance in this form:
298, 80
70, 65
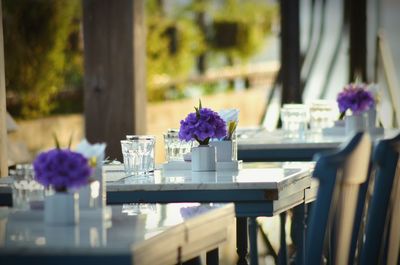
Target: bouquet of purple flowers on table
202, 125
355, 97
62, 169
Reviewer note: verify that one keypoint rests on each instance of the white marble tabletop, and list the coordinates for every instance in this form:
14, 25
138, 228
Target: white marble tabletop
260, 139
268, 176
144, 233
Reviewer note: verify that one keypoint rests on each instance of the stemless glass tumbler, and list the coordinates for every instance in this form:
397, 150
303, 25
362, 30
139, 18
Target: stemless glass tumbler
138, 154
174, 147
294, 120
321, 115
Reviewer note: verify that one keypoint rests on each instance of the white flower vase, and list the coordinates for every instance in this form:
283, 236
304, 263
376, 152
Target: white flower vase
61, 208
204, 158
356, 123
224, 150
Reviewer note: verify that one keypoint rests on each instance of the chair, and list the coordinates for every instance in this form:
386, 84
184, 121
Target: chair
382, 232
340, 175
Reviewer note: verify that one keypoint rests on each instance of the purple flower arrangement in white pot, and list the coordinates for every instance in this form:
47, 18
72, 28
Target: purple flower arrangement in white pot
64, 171
202, 125
358, 99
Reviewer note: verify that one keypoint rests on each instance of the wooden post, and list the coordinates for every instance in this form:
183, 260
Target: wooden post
114, 49
290, 51
3, 124
358, 39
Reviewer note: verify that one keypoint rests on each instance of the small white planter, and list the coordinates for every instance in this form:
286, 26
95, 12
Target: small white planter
224, 150
61, 208
203, 158
356, 123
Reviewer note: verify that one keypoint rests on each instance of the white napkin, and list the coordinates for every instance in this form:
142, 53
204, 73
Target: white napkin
229, 115
91, 150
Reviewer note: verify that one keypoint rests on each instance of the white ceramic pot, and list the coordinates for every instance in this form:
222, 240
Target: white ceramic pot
356, 123
204, 158
224, 150
61, 208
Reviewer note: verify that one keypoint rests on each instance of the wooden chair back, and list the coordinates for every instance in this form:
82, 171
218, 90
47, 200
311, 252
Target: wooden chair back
382, 232
340, 175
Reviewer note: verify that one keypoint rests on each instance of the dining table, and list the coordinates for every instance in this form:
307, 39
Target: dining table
5, 192
259, 144
142, 234
257, 189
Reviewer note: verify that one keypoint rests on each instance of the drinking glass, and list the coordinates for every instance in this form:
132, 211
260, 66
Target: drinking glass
294, 120
174, 147
138, 154
26, 192
321, 115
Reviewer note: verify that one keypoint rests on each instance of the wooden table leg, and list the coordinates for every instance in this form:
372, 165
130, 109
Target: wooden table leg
212, 257
299, 232
241, 240
282, 256
253, 240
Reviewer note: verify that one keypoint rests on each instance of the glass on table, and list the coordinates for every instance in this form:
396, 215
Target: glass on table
294, 120
321, 115
175, 148
138, 154
26, 192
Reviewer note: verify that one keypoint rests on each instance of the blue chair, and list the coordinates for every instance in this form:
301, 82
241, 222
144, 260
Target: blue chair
382, 238
340, 175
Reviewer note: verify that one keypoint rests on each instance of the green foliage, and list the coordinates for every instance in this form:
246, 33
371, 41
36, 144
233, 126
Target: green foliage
35, 42
172, 46
253, 19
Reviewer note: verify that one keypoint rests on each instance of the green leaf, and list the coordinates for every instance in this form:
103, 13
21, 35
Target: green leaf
70, 140
231, 129
341, 116
200, 104
56, 141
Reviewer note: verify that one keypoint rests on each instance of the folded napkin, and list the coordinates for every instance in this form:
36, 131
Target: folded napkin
229, 115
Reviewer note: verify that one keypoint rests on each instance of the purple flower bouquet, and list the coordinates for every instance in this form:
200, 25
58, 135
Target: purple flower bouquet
202, 125
62, 169
355, 97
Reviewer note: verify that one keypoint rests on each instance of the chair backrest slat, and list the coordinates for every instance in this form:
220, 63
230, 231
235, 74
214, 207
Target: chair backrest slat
382, 226
355, 173
394, 235
340, 175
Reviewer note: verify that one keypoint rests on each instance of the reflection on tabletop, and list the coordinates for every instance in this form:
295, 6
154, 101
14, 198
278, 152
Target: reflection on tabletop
130, 223
257, 173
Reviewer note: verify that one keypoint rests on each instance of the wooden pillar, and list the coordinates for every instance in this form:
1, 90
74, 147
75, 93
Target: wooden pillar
290, 51
3, 124
358, 39
114, 50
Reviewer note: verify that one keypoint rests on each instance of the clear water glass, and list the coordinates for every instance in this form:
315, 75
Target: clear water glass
174, 147
26, 192
138, 153
294, 120
321, 115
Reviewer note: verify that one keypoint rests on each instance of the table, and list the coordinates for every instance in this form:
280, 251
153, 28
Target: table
259, 189
257, 144
137, 234
5, 193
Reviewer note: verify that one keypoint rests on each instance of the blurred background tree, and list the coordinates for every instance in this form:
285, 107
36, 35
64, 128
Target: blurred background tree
239, 28
38, 53
44, 49
173, 43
